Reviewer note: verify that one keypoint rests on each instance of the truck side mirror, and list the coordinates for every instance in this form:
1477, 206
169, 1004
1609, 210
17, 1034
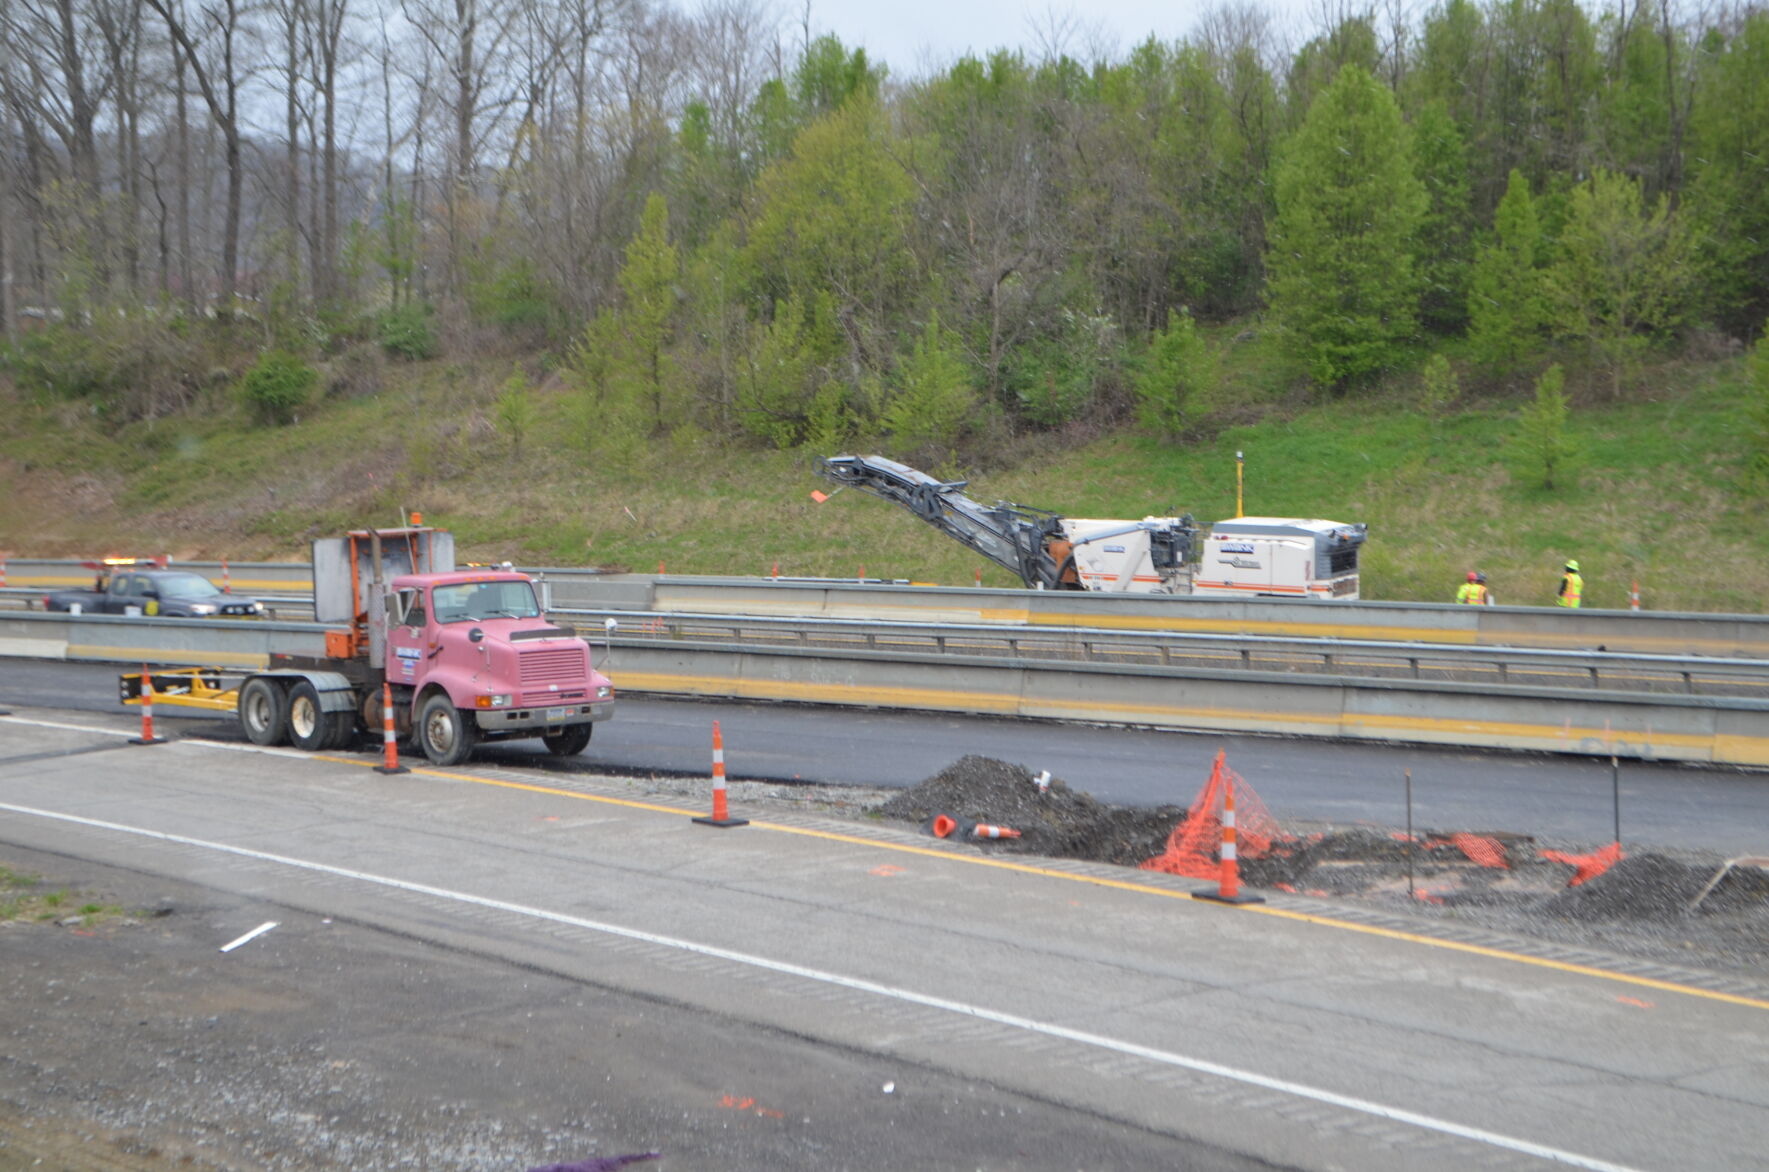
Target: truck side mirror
609, 626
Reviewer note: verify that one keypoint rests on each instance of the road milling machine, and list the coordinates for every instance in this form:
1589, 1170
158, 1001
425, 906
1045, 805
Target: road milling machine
1243, 557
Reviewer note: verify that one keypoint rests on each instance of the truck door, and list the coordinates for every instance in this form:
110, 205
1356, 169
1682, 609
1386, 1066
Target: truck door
124, 591
410, 642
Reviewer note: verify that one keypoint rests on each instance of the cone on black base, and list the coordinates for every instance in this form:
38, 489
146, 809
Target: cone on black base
721, 815
147, 736
1228, 888
389, 743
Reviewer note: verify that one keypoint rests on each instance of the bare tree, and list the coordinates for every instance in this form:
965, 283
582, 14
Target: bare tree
220, 28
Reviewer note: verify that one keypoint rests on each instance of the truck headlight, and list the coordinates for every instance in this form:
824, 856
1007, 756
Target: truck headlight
493, 701
203, 608
603, 692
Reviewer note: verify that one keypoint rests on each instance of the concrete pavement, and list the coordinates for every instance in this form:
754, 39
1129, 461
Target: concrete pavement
1275, 1033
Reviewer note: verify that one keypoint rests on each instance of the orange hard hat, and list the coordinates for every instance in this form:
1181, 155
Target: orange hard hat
1472, 576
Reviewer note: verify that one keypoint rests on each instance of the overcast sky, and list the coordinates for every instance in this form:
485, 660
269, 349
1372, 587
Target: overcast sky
910, 34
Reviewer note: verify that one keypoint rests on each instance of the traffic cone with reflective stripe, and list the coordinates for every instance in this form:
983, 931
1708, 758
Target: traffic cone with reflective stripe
147, 736
1228, 888
1634, 596
389, 743
721, 815
225, 587
983, 830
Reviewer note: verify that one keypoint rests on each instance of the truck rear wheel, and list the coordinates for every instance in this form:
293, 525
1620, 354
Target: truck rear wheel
264, 712
311, 727
569, 742
445, 733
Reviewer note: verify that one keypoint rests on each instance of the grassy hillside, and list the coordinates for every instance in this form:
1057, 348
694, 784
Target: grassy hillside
1656, 497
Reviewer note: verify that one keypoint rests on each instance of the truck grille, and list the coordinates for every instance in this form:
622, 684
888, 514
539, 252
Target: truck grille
541, 666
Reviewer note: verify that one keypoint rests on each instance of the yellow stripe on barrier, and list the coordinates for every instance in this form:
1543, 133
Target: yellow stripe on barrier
1357, 632
158, 655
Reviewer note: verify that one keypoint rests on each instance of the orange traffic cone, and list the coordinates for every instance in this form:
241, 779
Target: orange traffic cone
721, 816
943, 825
147, 736
389, 743
983, 830
1228, 889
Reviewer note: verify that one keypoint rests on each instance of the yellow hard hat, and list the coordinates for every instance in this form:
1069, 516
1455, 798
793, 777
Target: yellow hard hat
1573, 566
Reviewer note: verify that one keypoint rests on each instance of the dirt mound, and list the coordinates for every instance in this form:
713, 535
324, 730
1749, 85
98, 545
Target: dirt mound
1059, 823
1652, 886
1641, 904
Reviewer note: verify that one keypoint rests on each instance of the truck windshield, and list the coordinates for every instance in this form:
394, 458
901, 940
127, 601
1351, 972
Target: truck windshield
184, 586
471, 601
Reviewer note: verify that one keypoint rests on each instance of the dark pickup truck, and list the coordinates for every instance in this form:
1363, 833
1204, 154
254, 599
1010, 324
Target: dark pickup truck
174, 593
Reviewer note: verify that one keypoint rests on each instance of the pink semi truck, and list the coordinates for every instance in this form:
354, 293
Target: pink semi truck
466, 654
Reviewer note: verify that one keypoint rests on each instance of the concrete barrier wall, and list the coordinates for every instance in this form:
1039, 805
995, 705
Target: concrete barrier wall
1733, 732
231, 643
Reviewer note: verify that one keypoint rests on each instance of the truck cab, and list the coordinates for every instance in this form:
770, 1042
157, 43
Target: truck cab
472, 657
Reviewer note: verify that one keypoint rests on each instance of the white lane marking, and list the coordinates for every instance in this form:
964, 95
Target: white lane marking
266, 926
981, 1013
199, 742
85, 728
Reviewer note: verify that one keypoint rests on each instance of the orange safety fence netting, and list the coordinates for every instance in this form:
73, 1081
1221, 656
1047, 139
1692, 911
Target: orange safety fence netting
1488, 852
1193, 845
1589, 866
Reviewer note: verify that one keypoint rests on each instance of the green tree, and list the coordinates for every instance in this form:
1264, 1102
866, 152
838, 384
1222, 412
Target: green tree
1505, 310
1341, 257
1438, 385
648, 286
1446, 230
1729, 164
832, 218
1620, 274
515, 411
933, 401
1543, 448
1177, 369
782, 379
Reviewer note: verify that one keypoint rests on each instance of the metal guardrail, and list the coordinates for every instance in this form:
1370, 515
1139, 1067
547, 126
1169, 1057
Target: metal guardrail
1498, 667
1643, 632
1725, 730
1505, 668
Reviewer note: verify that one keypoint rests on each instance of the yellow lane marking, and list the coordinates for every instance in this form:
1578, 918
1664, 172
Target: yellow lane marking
1099, 881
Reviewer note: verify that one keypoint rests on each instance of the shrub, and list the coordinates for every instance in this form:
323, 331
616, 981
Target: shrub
408, 331
1177, 369
277, 386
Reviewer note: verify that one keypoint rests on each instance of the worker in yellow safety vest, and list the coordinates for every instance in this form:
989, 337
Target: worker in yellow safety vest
1474, 591
1571, 586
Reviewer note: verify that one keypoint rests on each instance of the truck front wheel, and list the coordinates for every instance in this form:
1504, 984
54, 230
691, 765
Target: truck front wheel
264, 712
445, 733
569, 742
